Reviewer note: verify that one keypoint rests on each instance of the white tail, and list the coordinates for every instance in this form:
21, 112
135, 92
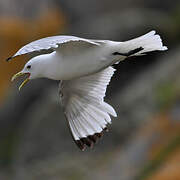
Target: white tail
143, 44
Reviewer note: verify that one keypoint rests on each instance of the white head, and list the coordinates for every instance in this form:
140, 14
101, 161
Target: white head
34, 68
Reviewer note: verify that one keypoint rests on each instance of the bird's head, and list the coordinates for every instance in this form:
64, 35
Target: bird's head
32, 69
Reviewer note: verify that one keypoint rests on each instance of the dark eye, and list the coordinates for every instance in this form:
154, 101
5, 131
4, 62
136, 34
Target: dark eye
29, 67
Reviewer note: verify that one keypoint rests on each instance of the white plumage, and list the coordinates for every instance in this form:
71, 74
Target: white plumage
84, 68
84, 106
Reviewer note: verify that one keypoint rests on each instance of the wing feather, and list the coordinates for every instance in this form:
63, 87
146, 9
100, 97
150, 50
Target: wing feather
51, 43
83, 103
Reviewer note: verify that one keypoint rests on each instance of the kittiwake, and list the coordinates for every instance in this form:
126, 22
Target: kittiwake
84, 69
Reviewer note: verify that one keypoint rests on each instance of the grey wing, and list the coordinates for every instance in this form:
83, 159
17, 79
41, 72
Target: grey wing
84, 107
50, 43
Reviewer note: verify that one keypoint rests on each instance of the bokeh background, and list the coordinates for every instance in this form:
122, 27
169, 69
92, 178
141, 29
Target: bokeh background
143, 142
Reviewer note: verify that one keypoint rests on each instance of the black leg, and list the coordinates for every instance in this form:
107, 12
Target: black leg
130, 53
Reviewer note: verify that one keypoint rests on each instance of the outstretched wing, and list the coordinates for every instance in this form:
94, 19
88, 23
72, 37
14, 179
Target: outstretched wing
50, 43
84, 107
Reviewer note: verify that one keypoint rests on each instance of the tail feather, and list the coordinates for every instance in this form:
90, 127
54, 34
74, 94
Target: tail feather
148, 42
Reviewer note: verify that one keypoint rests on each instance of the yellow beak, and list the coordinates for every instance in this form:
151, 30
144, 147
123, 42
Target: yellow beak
18, 75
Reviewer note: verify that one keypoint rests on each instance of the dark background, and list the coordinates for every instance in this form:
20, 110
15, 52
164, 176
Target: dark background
143, 142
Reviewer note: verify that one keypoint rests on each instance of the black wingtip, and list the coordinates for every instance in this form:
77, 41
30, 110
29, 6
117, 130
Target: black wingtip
80, 144
9, 58
90, 140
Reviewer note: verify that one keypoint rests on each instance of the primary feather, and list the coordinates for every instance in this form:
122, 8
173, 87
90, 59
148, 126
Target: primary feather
84, 106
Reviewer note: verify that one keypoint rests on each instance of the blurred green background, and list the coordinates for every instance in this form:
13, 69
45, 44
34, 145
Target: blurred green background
143, 142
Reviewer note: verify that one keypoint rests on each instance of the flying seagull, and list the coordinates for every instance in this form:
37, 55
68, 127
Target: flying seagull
84, 69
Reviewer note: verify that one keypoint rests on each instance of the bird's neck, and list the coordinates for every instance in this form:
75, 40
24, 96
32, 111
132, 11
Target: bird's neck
50, 66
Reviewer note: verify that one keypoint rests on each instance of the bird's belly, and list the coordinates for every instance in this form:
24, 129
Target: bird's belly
78, 69
71, 68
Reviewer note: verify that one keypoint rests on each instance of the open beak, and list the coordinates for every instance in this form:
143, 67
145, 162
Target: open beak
21, 74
